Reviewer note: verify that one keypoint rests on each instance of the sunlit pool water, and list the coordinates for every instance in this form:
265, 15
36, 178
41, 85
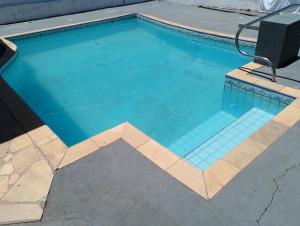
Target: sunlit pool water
167, 83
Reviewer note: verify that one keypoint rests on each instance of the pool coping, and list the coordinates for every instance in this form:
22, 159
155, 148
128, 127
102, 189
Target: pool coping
10, 50
120, 16
207, 183
9, 44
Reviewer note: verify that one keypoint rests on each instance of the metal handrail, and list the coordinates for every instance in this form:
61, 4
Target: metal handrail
265, 59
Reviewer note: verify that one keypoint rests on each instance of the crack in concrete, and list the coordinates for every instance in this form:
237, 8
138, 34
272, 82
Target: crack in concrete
275, 181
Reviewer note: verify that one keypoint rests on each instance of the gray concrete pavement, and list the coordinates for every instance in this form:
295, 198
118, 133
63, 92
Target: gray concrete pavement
119, 186
225, 4
184, 14
288, 76
12, 11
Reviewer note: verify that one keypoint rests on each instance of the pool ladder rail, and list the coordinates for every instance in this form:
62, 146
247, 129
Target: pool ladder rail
249, 25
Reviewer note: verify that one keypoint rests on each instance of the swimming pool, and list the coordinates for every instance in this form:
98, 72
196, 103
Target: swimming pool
167, 82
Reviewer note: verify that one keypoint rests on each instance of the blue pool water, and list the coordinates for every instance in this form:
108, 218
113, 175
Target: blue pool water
167, 83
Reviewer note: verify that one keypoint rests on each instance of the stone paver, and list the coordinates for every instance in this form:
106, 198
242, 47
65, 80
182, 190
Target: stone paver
26, 176
269, 133
13, 213
290, 117
33, 186
134, 136
13, 178
8, 157
222, 172
40, 133
3, 149
19, 143
3, 184
109, 136
24, 159
78, 151
54, 151
244, 153
158, 154
189, 176
6, 169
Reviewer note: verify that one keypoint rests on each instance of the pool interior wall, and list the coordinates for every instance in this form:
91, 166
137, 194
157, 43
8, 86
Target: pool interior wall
166, 82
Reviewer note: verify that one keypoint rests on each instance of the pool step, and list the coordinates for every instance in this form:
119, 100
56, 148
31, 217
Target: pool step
201, 133
214, 148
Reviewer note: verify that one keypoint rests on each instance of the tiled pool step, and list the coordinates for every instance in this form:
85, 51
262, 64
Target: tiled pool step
229, 137
198, 135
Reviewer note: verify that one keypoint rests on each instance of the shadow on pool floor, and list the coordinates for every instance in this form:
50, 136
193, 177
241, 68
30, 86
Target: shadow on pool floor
16, 118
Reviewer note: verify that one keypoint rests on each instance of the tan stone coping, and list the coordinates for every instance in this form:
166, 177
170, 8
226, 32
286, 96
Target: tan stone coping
205, 31
11, 45
10, 51
59, 27
28, 161
199, 30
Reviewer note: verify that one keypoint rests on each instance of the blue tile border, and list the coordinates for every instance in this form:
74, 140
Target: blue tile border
191, 33
69, 27
197, 34
273, 95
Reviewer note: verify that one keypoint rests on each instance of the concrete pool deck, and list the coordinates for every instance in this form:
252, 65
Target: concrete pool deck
187, 15
178, 194
136, 192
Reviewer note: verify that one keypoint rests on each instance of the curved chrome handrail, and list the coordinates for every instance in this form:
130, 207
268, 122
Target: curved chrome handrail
265, 59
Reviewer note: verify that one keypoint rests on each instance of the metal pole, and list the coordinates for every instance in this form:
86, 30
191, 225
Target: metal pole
266, 60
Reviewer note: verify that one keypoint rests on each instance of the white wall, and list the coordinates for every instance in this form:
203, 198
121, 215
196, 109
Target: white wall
12, 11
